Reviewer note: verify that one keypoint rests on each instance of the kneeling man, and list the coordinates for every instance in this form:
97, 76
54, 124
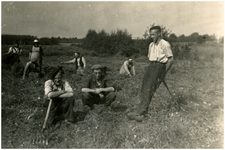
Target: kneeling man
97, 90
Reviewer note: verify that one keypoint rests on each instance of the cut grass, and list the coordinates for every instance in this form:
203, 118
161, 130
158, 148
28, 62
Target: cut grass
197, 87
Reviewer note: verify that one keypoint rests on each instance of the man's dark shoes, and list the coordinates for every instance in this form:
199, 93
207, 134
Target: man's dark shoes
135, 116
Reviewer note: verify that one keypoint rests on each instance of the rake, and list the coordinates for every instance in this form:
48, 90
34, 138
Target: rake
176, 104
44, 137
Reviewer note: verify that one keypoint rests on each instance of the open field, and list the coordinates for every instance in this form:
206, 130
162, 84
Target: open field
197, 85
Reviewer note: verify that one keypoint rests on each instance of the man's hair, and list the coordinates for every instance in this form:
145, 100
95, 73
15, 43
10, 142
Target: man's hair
155, 27
16, 43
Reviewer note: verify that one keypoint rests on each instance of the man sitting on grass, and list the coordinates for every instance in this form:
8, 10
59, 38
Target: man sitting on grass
97, 90
61, 94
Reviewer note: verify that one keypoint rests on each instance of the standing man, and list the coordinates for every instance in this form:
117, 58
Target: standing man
61, 94
161, 59
97, 90
128, 68
15, 49
80, 63
35, 57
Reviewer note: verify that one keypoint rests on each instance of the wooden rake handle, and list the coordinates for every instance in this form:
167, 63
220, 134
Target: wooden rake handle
47, 114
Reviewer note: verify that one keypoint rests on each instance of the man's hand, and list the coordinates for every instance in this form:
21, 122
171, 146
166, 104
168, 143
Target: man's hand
98, 91
101, 95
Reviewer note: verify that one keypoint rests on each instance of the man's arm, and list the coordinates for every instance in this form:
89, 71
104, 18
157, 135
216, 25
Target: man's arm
69, 62
65, 95
133, 68
68, 89
30, 55
169, 63
88, 90
125, 64
10, 50
54, 94
68, 92
98, 90
84, 62
107, 89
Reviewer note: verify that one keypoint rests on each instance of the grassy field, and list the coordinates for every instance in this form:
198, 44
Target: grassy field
197, 85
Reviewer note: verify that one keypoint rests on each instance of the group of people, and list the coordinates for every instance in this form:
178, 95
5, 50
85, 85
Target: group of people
97, 90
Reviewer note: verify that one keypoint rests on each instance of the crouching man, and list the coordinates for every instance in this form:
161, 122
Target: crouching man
61, 94
97, 90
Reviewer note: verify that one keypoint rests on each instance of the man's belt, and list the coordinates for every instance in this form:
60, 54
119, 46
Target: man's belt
154, 62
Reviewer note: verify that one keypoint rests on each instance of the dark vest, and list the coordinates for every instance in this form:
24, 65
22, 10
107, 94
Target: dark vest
14, 48
81, 62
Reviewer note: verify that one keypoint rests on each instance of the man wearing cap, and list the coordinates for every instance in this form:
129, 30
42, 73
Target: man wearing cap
128, 68
61, 94
161, 59
80, 63
35, 57
97, 90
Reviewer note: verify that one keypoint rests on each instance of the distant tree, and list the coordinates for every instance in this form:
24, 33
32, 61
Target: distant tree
105, 43
221, 40
193, 37
146, 34
173, 37
90, 39
181, 38
8, 39
212, 37
201, 39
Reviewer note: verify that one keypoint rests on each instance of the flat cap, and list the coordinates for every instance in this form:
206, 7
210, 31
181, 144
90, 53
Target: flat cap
96, 66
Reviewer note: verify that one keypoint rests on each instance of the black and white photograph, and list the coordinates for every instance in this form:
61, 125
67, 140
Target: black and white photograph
112, 74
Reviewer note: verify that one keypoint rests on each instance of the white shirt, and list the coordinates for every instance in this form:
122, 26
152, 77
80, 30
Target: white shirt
159, 51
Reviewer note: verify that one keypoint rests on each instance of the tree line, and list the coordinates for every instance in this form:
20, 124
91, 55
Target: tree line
8, 39
103, 43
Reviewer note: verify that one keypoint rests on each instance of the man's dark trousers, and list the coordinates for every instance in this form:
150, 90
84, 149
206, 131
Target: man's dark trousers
61, 107
153, 77
91, 98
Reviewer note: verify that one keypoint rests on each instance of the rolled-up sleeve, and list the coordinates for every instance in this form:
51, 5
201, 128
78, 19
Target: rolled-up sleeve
167, 50
48, 87
68, 88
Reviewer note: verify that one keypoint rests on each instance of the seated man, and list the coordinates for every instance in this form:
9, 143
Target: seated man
61, 94
128, 68
97, 90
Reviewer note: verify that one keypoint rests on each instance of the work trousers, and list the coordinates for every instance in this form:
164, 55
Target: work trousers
37, 65
60, 108
80, 71
152, 79
91, 98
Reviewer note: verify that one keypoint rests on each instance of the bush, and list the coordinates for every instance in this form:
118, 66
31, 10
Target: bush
105, 43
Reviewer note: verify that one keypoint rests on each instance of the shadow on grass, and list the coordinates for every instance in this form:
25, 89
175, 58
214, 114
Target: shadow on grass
80, 116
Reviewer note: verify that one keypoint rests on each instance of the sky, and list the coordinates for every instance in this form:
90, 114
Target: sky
75, 18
